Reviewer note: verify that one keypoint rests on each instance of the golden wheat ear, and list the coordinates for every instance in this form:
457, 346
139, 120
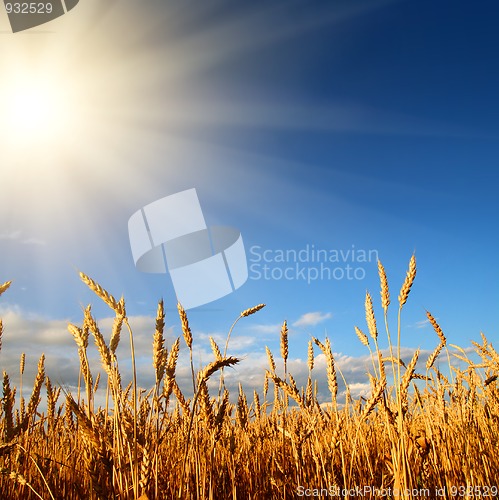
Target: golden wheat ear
5, 286
409, 280
117, 306
385, 294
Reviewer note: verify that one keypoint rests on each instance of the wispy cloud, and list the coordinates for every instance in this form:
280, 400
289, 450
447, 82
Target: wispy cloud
34, 334
311, 319
33, 241
420, 324
238, 343
12, 235
18, 236
276, 328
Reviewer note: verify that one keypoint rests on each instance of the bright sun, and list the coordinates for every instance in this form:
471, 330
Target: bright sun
36, 111
80, 113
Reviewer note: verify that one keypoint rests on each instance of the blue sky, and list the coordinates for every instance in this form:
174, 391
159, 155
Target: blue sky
338, 125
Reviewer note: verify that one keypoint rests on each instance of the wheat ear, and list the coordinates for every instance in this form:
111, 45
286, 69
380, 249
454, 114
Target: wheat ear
409, 280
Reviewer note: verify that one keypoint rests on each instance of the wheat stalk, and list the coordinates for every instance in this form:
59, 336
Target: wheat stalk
216, 365
5, 286
102, 347
284, 342
375, 398
186, 331
437, 328
406, 379
289, 388
215, 349
370, 318
117, 326
160, 355
251, 310
409, 280
18, 478
362, 336
242, 409
35, 394
270, 358
117, 307
385, 294
310, 356
8, 407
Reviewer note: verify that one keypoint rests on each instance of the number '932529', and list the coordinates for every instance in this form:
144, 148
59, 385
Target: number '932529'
28, 7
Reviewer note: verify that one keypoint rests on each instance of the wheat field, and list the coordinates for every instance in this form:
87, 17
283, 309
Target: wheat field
420, 432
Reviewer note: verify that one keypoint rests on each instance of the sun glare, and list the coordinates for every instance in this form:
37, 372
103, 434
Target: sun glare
36, 111
79, 114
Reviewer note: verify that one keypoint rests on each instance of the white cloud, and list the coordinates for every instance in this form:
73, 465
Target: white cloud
420, 324
267, 328
34, 334
237, 343
33, 241
311, 319
17, 236
10, 236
